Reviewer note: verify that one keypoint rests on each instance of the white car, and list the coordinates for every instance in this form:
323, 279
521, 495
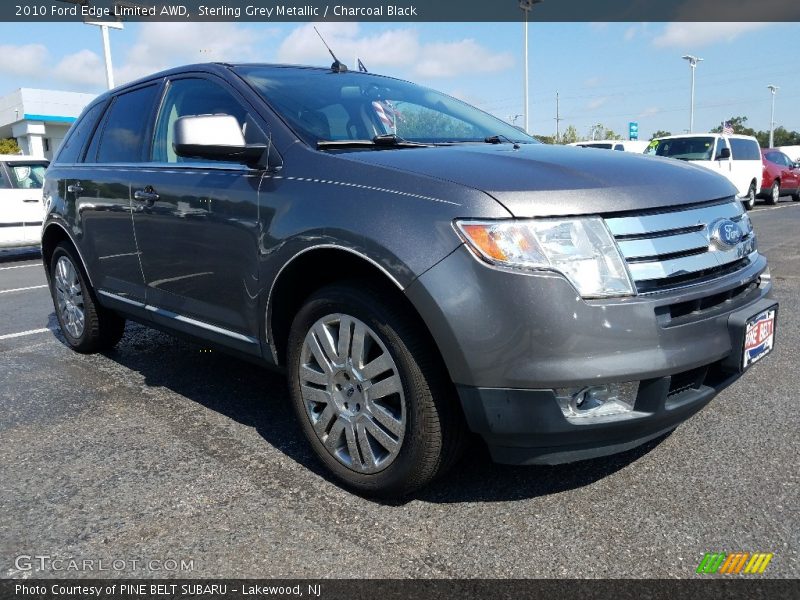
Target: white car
21, 207
737, 157
622, 145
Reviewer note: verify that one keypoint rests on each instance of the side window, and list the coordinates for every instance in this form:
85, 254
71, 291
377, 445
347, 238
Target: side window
4, 185
186, 97
70, 150
122, 137
745, 149
784, 160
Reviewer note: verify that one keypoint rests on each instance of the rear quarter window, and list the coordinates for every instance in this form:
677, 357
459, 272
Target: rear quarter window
72, 147
744, 149
122, 139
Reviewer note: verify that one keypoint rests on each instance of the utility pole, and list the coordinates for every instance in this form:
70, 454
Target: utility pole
526, 6
773, 89
558, 121
693, 60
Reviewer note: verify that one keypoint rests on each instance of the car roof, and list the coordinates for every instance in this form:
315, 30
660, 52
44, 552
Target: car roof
220, 68
21, 158
688, 135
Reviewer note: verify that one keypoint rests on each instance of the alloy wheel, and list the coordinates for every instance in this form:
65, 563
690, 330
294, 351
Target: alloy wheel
352, 393
69, 297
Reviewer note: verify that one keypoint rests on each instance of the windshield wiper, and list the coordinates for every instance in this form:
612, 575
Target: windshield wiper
498, 139
384, 140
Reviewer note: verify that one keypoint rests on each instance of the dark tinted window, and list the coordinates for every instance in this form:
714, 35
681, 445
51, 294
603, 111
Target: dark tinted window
71, 148
686, 148
125, 126
187, 97
744, 149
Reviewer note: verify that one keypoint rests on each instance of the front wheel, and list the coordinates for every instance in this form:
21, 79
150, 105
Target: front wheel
370, 393
86, 325
749, 201
774, 193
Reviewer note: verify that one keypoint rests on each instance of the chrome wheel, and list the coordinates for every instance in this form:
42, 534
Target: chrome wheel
776, 192
69, 297
352, 393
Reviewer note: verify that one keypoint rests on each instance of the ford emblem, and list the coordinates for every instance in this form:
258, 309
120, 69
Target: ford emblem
725, 234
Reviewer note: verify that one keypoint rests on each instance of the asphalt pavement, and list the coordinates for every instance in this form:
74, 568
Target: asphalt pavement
162, 459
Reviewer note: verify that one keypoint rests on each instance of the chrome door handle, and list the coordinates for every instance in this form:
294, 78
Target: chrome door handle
147, 195
75, 188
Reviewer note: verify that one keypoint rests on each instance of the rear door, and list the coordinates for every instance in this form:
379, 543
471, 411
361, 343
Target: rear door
197, 223
101, 193
21, 210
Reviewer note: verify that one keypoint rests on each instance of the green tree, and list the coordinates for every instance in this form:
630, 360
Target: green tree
660, 133
545, 139
570, 135
600, 132
9, 146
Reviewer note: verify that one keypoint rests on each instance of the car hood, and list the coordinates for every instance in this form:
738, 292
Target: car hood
542, 180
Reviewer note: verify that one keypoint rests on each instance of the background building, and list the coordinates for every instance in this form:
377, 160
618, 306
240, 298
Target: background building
39, 119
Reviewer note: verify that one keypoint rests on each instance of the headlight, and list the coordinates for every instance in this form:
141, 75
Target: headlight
582, 249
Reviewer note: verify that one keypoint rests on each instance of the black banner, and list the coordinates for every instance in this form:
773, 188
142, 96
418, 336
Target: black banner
401, 10
733, 588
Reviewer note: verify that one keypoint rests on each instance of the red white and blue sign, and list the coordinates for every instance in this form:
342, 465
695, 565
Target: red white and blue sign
759, 337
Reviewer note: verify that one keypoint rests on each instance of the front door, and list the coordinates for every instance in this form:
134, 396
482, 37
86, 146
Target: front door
197, 224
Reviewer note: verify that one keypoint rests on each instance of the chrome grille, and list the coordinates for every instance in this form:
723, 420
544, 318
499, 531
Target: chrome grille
669, 249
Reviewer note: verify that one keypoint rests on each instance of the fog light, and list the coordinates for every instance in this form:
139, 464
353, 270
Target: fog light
597, 400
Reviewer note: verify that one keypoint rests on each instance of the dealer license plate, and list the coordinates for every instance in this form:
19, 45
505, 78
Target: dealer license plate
759, 337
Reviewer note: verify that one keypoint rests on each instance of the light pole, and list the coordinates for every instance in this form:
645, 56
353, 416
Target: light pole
773, 89
104, 27
693, 60
526, 6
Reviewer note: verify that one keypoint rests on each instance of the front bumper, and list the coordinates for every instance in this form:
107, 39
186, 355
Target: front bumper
510, 338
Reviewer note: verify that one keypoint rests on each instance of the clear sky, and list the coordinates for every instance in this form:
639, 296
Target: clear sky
608, 73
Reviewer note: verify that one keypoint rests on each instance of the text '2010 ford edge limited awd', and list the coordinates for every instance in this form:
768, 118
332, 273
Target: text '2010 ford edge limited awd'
417, 267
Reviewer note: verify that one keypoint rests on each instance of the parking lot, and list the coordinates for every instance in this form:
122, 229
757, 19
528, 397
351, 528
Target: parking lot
162, 450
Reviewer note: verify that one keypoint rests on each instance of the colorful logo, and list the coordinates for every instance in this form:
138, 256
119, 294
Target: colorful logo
734, 562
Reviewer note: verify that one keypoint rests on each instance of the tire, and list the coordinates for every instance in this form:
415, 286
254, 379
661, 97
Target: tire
796, 196
86, 325
774, 193
388, 445
750, 201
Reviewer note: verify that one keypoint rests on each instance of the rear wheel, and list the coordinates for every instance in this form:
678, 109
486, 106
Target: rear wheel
370, 393
749, 201
86, 325
796, 196
774, 192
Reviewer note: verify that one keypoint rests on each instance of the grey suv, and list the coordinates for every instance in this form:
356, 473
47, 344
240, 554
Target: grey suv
418, 268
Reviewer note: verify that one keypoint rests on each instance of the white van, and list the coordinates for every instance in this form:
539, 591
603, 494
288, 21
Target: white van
622, 145
737, 157
792, 152
21, 208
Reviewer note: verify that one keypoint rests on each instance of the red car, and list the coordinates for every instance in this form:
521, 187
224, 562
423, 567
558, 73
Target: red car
781, 176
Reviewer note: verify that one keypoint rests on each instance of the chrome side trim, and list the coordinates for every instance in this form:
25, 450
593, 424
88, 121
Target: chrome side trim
183, 319
135, 303
680, 219
268, 324
74, 245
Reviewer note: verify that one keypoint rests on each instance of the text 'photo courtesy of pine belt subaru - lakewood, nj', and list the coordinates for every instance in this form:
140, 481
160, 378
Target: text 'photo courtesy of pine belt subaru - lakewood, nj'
418, 268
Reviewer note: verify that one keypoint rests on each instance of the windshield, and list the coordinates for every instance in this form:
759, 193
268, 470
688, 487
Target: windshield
26, 175
327, 106
689, 148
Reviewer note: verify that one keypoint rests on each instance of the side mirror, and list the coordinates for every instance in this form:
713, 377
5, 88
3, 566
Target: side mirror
219, 137
724, 154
